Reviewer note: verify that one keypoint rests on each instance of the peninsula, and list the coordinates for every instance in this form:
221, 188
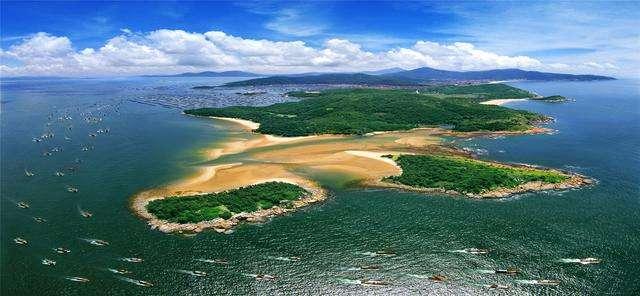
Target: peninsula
390, 138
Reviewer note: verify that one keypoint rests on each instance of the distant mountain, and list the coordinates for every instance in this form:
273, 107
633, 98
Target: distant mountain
384, 71
340, 78
427, 74
212, 74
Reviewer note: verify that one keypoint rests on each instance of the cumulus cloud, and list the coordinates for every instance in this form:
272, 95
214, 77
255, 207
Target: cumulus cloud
171, 51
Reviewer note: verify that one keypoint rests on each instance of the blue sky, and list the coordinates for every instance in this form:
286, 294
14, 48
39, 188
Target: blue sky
576, 37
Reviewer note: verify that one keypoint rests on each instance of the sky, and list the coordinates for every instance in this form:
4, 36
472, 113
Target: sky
76, 38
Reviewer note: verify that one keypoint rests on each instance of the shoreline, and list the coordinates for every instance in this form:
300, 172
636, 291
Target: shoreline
361, 158
500, 102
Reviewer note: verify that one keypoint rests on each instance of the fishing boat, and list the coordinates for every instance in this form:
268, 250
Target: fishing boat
119, 271
386, 252
132, 260
39, 219
438, 278
548, 282
476, 251
72, 189
199, 273
22, 205
61, 250
86, 214
509, 271
142, 283
374, 283
77, 279
20, 241
370, 267
497, 287
48, 262
59, 173
98, 242
585, 261
29, 173
261, 276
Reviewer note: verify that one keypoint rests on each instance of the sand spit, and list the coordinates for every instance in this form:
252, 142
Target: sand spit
246, 124
501, 102
266, 158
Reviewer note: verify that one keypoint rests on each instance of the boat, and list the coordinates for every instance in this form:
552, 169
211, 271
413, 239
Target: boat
295, 258
29, 173
261, 276
59, 173
509, 271
476, 251
142, 283
72, 189
220, 261
77, 279
548, 282
386, 252
48, 262
438, 278
20, 241
199, 273
92, 135
61, 250
374, 283
132, 260
585, 261
119, 271
39, 220
86, 214
98, 242
22, 205
497, 287
370, 267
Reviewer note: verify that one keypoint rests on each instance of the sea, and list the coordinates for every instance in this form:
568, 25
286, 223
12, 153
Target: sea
110, 138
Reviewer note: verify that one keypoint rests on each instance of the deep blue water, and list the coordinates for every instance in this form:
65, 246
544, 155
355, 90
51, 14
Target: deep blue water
150, 143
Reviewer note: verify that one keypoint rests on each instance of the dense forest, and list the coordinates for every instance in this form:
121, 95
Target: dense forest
481, 91
465, 175
554, 99
193, 209
360, 111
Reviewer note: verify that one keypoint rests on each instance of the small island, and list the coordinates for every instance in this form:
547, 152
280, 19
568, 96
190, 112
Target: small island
371, 137
551, 99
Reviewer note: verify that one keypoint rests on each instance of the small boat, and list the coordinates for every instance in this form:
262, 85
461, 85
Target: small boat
386, 252
548, 282
199, 273
92, 135
20, 241
22, 205
48, 262
61, 250
509, 271
59, 173
29, 173
261, 276
86, 214
142, 283
374, 283
370, 267
85, 148
585, 261
497, 287
46, 153
220, 261
72, 189
295, 258
98, 242
39, 219
37, 140
77, 279
119, 270
476, 251
438, 278
132, 260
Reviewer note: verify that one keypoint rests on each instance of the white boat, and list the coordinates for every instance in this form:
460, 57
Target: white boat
265, 277
48, 262
98, 242
119, 271
59, 173
86, 214
72, 189
374, 283
585, 261
29, 173
39, 219
548, 282
132, 260
22, 205
497, 287
20, 241
77, 279
61, 250
476, 251
509, 271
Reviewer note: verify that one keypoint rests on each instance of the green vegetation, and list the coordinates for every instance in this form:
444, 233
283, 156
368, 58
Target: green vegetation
465, 175
481, 91
555, 98
193, 209
336, 79
360, 111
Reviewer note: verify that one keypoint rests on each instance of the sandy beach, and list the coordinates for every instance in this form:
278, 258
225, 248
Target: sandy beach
501, 102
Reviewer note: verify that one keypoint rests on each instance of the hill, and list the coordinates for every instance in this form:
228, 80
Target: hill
211, 74
430, 74
334, 79
361, 111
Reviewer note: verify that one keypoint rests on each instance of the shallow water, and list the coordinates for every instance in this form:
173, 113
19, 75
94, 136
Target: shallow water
150, 143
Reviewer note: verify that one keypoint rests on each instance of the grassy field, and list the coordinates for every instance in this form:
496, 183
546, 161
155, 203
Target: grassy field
465, 175
193, 209
360, 111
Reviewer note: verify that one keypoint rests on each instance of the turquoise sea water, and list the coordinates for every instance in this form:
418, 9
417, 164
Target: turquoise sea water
150, 143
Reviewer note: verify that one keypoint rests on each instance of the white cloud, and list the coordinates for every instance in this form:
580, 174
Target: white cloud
292, 22
171, 51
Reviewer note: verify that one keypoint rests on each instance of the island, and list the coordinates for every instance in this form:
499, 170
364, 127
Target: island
551, 99
363, 137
